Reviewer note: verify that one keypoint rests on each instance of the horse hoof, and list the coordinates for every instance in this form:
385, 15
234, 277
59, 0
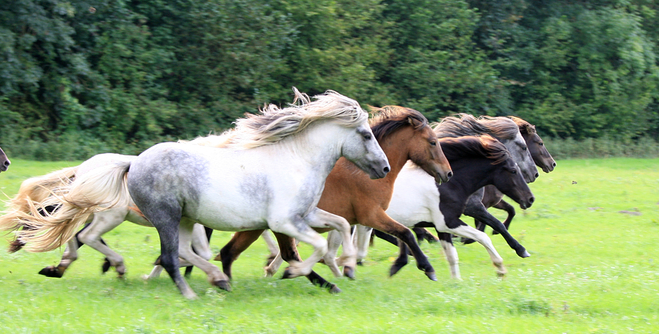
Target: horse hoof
349, 272
431, 275
223, 284
106, 266
287, 274
523, 253
51, 272
334, 289
360, 263
393, 270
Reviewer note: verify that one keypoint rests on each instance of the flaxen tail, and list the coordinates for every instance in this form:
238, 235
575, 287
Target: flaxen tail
35, 189
102, 188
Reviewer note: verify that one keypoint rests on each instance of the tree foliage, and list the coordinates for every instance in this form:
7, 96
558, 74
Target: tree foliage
81, 77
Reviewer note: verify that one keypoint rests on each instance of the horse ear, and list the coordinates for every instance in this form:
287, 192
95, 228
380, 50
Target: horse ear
415, 122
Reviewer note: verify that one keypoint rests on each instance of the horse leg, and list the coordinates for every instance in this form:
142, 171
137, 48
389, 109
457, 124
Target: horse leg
479, 212
102, 223
215, 276
272, 245
238, 244
451, 254
70, 255
423, 234
288, 252
333, 243
461, 229
323, 219
362, 238
386, 237
386, 224
503, 205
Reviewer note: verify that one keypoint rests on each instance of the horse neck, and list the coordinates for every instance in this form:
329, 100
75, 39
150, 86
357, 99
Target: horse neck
470, 174
397, 152
313, 147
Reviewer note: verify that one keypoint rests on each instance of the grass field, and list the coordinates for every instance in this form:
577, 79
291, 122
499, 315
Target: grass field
593, 269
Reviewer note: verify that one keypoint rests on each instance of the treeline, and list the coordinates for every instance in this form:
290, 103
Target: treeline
80, 77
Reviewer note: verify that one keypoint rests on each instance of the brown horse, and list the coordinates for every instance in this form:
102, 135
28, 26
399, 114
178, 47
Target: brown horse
4, 161
403, 134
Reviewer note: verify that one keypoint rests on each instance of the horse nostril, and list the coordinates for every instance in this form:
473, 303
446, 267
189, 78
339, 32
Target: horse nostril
554, 164
531, 199
449, 174
537, 174
386, 169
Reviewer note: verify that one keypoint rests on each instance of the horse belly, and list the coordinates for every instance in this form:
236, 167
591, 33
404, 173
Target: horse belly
415, 197
231, 211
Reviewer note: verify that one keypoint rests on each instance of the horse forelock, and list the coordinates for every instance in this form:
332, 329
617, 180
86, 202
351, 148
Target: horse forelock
467, 125
525, 127
389, 119
274, 123
484, 146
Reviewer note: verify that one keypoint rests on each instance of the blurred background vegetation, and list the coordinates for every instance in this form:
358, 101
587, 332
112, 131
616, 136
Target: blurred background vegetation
85, 77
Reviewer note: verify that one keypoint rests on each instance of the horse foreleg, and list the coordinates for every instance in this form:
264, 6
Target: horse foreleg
272, 245
480, 212
503, 205
333, 243
239, 242
288, 252
386, 224
362, 239
461, 229
323, 219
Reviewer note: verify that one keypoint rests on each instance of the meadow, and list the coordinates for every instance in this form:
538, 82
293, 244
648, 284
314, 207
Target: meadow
594, 268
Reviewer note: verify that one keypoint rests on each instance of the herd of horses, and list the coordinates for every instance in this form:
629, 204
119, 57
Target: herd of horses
316, 165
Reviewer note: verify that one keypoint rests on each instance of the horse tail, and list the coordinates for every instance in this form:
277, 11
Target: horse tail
99, 189
35, 189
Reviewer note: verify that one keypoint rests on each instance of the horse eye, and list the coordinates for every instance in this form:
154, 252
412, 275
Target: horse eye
514, 171
433, 143
542, 144
368, 136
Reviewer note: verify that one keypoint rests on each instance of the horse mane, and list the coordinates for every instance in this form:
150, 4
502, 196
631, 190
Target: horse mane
389, 119
484, 146
467, 125
525, 127
274, 124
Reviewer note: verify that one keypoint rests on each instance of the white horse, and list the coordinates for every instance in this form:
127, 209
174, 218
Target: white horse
47, 187
270, 175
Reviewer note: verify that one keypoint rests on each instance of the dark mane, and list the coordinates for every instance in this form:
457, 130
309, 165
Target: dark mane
471, 146
525, 127
389, 119
501, 128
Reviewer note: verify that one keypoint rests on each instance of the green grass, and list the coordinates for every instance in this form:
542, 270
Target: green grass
592, 270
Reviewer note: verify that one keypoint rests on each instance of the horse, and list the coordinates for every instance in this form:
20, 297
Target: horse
476, 162
270, 175
541, 157
404, 134
4, 161
48, 187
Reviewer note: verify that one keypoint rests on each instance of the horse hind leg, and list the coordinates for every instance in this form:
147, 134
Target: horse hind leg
69, 256
102, 223
333, 243
215, 276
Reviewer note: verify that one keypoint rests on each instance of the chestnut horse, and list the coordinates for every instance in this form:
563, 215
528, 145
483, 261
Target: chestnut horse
4, 161
403, 134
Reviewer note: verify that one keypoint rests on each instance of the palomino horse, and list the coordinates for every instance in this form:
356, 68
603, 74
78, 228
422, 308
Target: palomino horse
47, 187
404, 134
270, 175
476, 162
494, 198
4, 161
